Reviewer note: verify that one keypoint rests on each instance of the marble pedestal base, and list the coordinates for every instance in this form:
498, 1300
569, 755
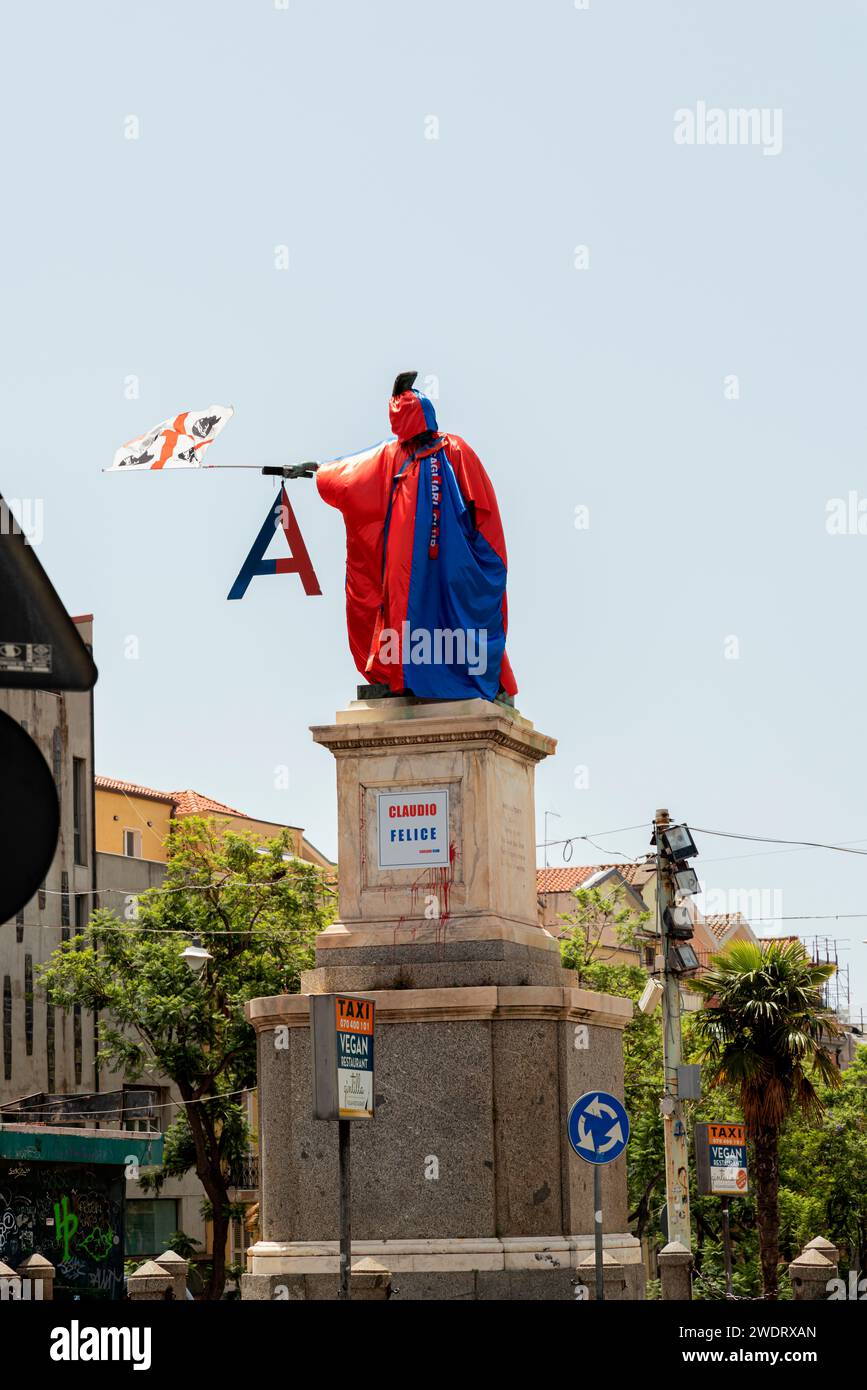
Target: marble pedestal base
464, 1185
480, 903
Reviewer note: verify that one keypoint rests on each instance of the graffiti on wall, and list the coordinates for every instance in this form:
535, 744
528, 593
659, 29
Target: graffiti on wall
73, 1215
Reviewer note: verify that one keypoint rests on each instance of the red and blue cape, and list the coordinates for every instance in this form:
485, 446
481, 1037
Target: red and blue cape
425, 554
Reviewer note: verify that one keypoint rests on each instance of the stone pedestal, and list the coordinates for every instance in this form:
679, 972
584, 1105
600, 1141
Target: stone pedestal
174, 1265
10, 1283
614, 1282
810, 1275
675, 1272
40, 1274
472, 922
464, 1186
150, 1284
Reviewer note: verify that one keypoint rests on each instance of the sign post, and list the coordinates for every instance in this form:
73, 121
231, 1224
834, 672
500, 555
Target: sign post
342, 1032
343, 1151
597, 1233
721, 1170
727, 1245
598, 1130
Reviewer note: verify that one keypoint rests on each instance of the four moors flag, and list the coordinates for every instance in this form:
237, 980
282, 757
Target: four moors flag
177, 443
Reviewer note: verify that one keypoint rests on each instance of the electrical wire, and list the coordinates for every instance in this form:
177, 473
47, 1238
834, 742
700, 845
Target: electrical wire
192, 930
181, 888
163, 1105
844, 848
597, 834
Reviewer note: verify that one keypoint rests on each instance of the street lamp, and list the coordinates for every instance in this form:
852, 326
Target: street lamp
678, 841
196, 956
678, 923
686, 880
684, 959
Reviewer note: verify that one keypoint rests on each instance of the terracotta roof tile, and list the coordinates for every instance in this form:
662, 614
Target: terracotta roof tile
113, 784
564, 880
721, 923
185, 803
190, 803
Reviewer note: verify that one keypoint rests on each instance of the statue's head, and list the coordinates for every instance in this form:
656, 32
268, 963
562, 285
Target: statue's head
410, 412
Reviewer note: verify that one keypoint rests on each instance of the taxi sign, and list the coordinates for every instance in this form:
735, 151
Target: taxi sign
342, 1029
721, 1160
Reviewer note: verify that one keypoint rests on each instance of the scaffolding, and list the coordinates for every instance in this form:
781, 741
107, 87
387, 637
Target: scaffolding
824, 950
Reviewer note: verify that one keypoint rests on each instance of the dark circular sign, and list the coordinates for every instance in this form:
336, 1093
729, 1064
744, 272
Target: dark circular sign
29, 818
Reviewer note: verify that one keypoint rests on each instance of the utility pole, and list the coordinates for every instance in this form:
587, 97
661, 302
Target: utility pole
674, 1127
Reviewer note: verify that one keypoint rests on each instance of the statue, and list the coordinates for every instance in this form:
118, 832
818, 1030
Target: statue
425, 559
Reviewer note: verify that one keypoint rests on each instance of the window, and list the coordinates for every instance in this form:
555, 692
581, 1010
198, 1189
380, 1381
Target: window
79, 809
28, 1004
132, 844
42, 898
150, 1225
76, 1042
64, 906
82, 910
19, 926
7, 1028
49, 1049
81, 916
240, 1240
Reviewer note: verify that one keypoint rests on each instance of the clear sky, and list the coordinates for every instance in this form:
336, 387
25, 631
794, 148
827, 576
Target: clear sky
697, 645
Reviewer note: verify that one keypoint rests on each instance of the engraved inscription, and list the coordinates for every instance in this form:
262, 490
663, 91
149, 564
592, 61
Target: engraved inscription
514, 838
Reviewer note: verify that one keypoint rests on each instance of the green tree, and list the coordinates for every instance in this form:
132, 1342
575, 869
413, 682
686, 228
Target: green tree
600, 927
257, 911
823, 1169
763, 1032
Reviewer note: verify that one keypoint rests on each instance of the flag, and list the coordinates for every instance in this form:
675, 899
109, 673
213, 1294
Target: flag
177, 443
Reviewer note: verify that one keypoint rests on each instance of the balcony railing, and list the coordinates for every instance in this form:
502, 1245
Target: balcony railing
245, 1175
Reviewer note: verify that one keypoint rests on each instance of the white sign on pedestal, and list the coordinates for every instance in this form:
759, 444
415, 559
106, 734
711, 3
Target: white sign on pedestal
412, 828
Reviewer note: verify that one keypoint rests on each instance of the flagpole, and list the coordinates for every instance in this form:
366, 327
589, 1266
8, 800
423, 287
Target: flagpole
280, 471
284, 471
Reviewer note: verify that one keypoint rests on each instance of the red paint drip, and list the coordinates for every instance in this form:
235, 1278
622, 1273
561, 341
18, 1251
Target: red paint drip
440, 879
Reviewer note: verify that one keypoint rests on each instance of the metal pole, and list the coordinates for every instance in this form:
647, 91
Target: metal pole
344, 1129
674, 1129
557, 816
597, 1230
727, 1246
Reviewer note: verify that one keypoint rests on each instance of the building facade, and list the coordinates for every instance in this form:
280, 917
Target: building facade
633, 886
44, 1049
111, 848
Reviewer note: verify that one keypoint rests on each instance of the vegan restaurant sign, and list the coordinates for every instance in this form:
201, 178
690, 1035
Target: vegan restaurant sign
721, 1160
343, 1035
412, 828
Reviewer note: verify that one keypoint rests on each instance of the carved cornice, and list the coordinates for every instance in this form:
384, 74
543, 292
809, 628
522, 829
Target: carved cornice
469, 1003
493, 737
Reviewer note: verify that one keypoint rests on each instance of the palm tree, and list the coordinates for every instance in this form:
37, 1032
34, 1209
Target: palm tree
763, 1031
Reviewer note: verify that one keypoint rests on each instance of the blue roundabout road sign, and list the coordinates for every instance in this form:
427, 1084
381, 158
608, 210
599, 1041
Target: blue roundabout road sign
598, 1127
